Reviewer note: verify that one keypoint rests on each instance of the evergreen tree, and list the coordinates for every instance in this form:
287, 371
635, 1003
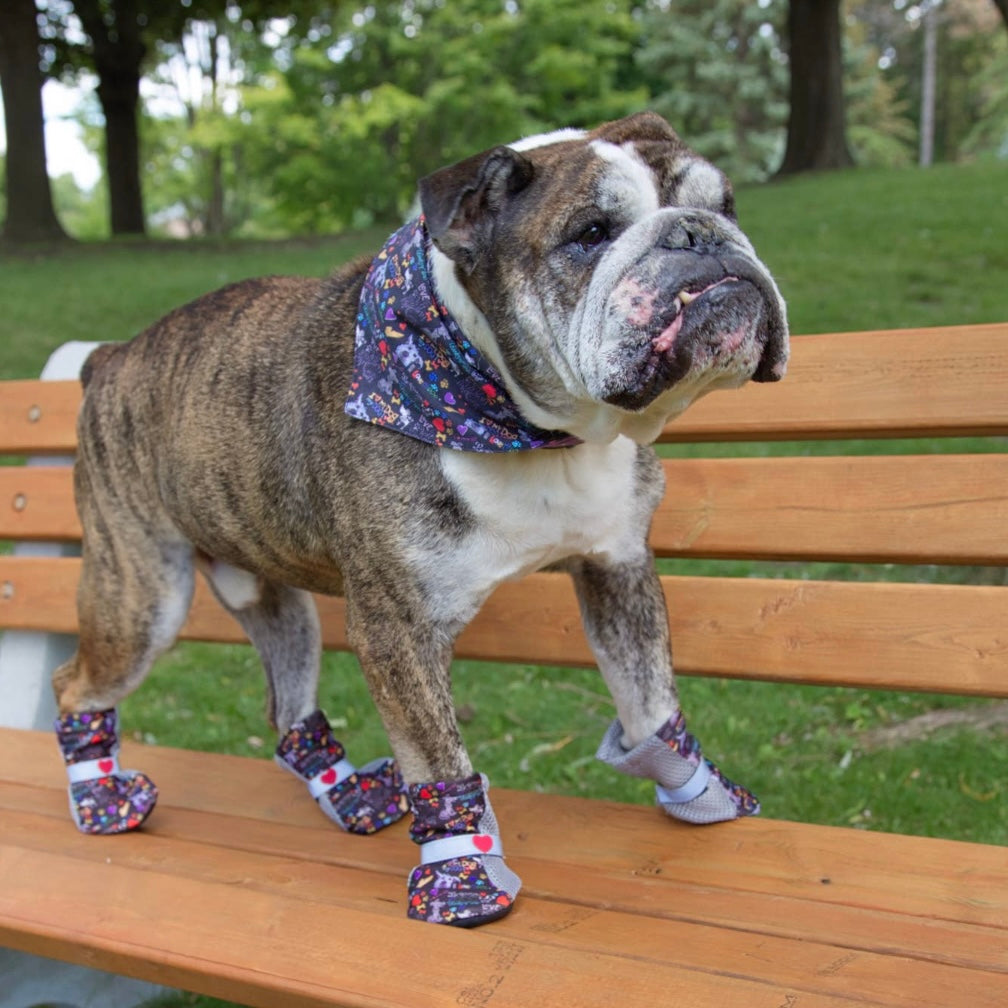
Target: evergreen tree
716, 71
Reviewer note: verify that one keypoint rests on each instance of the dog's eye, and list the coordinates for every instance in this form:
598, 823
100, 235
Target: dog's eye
592, 236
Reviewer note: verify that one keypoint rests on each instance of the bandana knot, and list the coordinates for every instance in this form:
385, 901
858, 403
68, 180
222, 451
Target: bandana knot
416, 372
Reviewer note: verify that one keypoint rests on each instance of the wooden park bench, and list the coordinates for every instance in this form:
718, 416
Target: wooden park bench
238, 888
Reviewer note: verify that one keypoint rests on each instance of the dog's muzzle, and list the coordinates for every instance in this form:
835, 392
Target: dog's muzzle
696, 303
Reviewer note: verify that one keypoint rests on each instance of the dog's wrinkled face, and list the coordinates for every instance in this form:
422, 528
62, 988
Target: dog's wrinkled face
605, 275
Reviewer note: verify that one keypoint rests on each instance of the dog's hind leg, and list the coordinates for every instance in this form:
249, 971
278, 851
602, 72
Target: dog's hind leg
282, 623
134, 593
132, 601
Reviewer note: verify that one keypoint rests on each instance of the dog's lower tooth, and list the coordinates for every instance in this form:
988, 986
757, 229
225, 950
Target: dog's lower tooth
685, 297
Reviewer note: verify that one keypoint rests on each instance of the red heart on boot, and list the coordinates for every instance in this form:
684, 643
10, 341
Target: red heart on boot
106, 765
328, 776
482, 842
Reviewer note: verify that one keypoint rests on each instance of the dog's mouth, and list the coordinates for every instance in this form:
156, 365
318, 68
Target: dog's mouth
665, 340
721, 327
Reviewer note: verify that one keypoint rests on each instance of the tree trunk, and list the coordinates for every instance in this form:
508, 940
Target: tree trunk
216, 222
30, 213
114, 30
816, 137
929, 72
119, 93
1002, 6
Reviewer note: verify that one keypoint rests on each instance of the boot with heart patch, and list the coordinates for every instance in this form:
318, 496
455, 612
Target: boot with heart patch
462, 879
362, 800
103, 798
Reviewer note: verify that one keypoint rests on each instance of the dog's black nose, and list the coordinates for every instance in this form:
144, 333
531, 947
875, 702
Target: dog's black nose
690, 233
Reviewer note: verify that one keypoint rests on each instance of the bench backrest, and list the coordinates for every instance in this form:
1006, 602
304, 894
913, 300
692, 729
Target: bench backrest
939, 505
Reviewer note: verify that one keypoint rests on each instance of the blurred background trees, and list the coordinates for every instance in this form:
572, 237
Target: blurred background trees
30, 215
251, 117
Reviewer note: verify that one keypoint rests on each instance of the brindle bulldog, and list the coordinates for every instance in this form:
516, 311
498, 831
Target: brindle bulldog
476, 403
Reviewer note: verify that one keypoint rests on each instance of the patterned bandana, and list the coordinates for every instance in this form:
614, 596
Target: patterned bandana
414, 369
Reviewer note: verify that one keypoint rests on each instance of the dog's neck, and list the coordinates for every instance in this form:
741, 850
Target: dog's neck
416, 372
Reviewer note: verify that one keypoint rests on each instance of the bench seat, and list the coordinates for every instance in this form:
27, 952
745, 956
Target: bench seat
239, 888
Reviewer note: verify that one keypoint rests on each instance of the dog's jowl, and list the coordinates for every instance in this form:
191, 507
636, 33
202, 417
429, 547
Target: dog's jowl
474, 404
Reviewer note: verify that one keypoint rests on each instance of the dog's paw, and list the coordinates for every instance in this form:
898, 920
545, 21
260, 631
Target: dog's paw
116, 803
370, 799
462, 879
361, 800
103, 798
458, 892
688, 786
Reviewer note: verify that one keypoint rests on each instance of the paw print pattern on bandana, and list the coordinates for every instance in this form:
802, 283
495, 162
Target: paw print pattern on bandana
108, 800
361, 800
674, 734
416, 372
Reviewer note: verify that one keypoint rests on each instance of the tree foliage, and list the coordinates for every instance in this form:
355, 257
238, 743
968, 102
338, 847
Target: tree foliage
718, 71
990, 130
264, 117
392, 91
118, 41
880, 124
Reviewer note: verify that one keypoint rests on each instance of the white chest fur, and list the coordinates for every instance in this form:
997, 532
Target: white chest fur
533, 509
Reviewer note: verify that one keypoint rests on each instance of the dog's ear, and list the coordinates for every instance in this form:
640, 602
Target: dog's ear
458, 201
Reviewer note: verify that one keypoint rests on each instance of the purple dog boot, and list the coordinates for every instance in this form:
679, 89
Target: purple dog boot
689, 787
462, 879
103, 798
361, 800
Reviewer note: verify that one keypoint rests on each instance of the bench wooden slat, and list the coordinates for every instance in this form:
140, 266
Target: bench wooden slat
868, 508
572, 902
268, 949
874, 509
948, 380
39, 417
867, 384
636, 884
37, 503
652, 852
936, 638
585, 927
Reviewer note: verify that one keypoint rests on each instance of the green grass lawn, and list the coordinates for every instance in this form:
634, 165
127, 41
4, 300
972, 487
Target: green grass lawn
886, 249
866, 249
110, 291
856, 250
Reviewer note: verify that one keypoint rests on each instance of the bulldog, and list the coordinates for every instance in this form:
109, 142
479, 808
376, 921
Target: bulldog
475, 403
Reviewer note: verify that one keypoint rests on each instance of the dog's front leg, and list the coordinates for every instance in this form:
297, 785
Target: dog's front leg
407, 665
626, 622
462, 878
